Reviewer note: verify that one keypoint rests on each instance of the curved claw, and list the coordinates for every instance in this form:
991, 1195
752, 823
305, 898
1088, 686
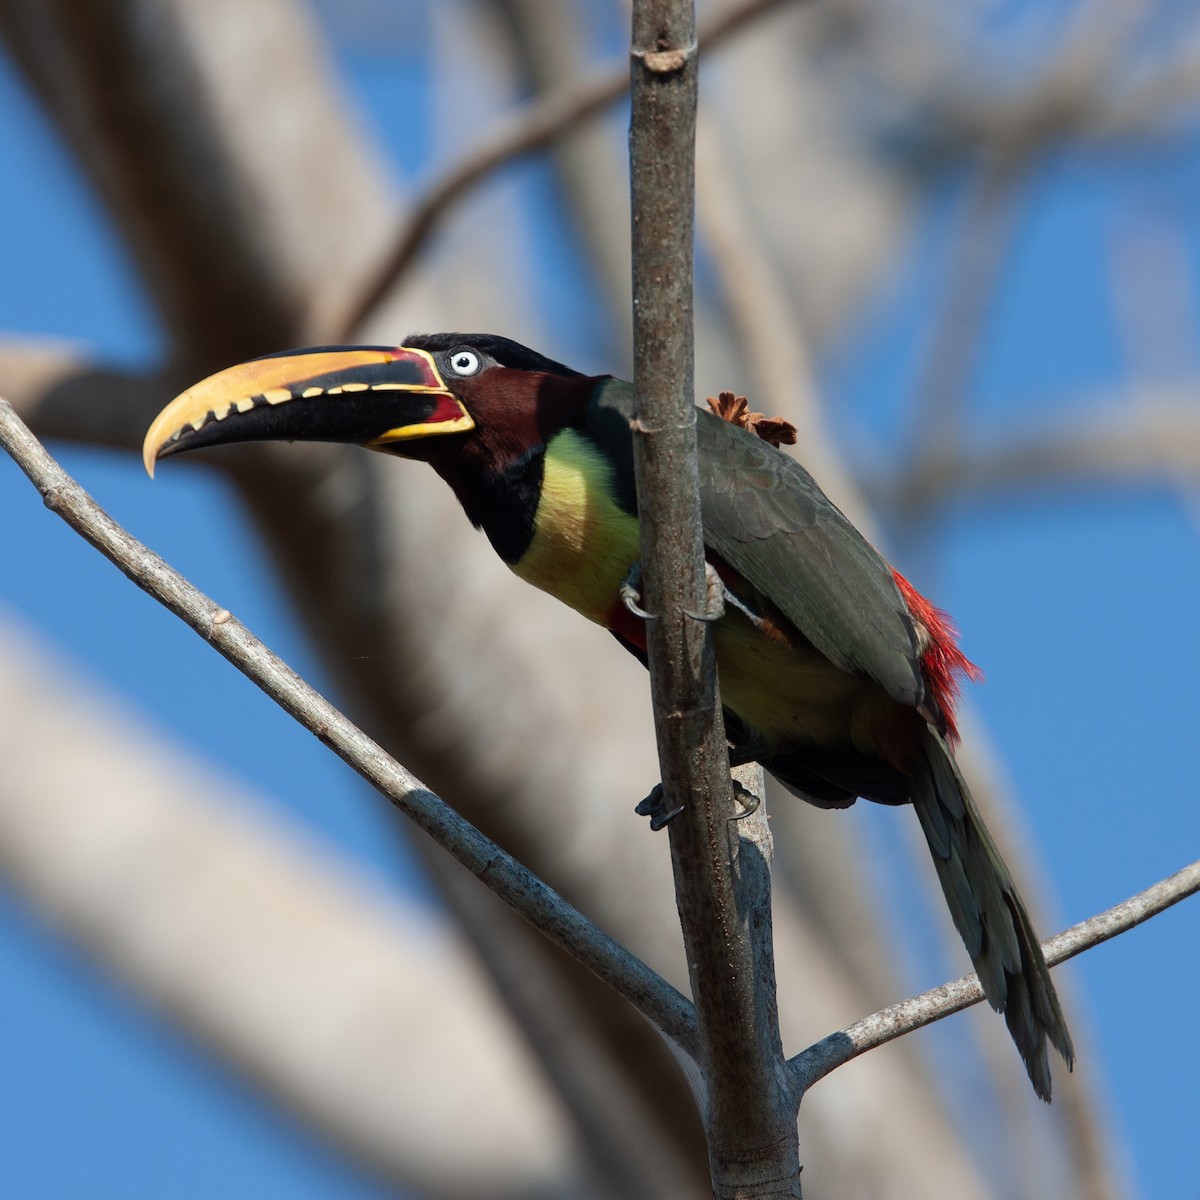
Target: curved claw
630, 592
630, 597
659, 821
750, 801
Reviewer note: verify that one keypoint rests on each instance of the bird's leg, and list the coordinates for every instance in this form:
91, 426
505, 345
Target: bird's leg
755, 618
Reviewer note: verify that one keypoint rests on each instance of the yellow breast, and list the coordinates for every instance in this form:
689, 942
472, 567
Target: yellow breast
583, 546
583, 542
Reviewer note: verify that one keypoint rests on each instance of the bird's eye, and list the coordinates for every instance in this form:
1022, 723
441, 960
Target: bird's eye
464, 362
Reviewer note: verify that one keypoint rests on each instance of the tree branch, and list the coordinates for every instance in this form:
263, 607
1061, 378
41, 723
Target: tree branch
533, 128
889, 1023
164, 103
722, 880
220, 915
514, 884
657, 1001
954, 347
1159, 438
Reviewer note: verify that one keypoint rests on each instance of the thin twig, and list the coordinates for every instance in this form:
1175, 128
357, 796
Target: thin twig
513, 883
884, 1026
534, 127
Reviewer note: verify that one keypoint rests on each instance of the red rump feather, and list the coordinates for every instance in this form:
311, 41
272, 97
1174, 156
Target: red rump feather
942, 662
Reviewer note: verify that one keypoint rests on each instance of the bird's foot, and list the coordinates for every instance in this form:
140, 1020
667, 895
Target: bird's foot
714, 596
741, 753
631, 596
747, 799
654, 806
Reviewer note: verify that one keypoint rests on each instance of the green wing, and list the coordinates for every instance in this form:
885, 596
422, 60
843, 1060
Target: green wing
766, 517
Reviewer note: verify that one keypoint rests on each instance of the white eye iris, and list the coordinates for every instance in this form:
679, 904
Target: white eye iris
464, 362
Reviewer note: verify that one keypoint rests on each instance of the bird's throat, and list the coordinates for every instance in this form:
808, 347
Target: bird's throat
583, 542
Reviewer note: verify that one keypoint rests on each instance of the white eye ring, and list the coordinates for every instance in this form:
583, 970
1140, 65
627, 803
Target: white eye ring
464, 362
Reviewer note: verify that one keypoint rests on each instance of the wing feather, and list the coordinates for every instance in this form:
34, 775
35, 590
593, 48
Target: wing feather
765, 515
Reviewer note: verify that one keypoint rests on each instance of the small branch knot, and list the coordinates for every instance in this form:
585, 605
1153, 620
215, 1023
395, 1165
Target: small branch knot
665, 62
53, 499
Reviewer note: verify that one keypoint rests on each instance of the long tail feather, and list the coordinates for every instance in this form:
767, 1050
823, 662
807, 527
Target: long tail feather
989, 914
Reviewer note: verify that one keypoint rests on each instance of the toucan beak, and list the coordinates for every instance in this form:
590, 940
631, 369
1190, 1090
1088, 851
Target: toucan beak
366, 395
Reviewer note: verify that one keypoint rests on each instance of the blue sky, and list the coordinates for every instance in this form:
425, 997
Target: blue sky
1080, 605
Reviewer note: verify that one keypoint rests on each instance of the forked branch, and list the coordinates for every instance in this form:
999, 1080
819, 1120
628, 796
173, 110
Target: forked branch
518, 887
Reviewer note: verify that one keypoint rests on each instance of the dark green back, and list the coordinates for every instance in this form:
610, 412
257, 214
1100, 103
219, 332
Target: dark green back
765, 515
